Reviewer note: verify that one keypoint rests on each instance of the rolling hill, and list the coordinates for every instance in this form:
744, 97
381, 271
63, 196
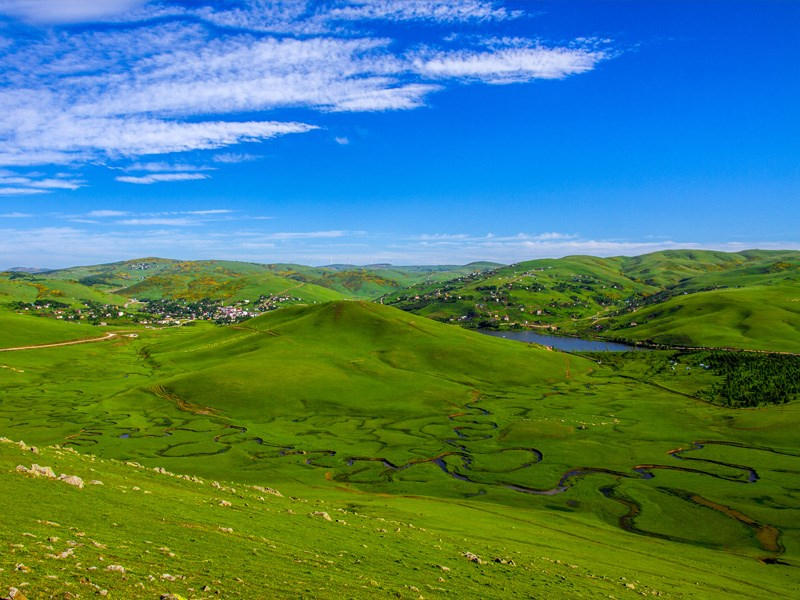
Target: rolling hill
746, 299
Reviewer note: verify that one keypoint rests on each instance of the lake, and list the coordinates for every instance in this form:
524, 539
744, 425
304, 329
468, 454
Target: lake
560, 342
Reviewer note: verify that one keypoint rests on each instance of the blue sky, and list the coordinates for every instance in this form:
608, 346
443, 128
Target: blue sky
403, 131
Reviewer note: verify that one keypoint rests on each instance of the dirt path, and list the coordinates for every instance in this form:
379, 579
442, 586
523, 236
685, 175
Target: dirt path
106, 337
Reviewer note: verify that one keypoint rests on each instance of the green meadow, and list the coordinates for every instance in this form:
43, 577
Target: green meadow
450, 464
754, 317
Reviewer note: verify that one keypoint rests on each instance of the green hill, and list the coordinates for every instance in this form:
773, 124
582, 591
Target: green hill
592, 296
157, 278
753, 317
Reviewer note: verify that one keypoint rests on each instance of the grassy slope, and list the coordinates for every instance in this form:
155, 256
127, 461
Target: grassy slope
755, 317
30, 288
741, 299
175, 536
269, 402
22, 330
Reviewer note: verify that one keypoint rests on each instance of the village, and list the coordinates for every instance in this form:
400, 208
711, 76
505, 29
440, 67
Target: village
163, 312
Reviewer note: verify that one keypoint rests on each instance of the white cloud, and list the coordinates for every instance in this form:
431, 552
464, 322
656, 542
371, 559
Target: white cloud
35, 183
234, 157
314, 17
136, 136
67, 11
161, 81
179, 221
443, 11
161, 177
17, 191
553, 235
157, 167
342, 141
15, 215
107, 213
509, 65
305, 235
213, 211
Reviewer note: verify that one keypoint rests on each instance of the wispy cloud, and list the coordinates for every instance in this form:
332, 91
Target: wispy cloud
161, 82
160, 167
161, 177
34, 183
442, 11
16, 191
177, 221
306, 235
234, 157
509, 65
107, 213
67, 11
15, 215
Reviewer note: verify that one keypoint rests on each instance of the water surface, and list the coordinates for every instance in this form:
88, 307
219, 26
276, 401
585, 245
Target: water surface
560, 342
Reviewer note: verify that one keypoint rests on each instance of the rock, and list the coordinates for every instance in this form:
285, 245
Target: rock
37, 471
15, 594
443, 568
226, 529
474, 558
43, 471
171, 597
224, 503
267, 490
117, 568
22, 568
322, 514
72, 480
168, 577
95, 482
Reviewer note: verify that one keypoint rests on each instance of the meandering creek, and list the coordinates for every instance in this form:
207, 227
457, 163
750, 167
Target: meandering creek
473, 425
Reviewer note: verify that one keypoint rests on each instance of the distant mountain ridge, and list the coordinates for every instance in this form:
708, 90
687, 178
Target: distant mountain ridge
27, 270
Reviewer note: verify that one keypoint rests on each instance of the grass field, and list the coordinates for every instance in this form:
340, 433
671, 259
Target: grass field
493, 447
755, 317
